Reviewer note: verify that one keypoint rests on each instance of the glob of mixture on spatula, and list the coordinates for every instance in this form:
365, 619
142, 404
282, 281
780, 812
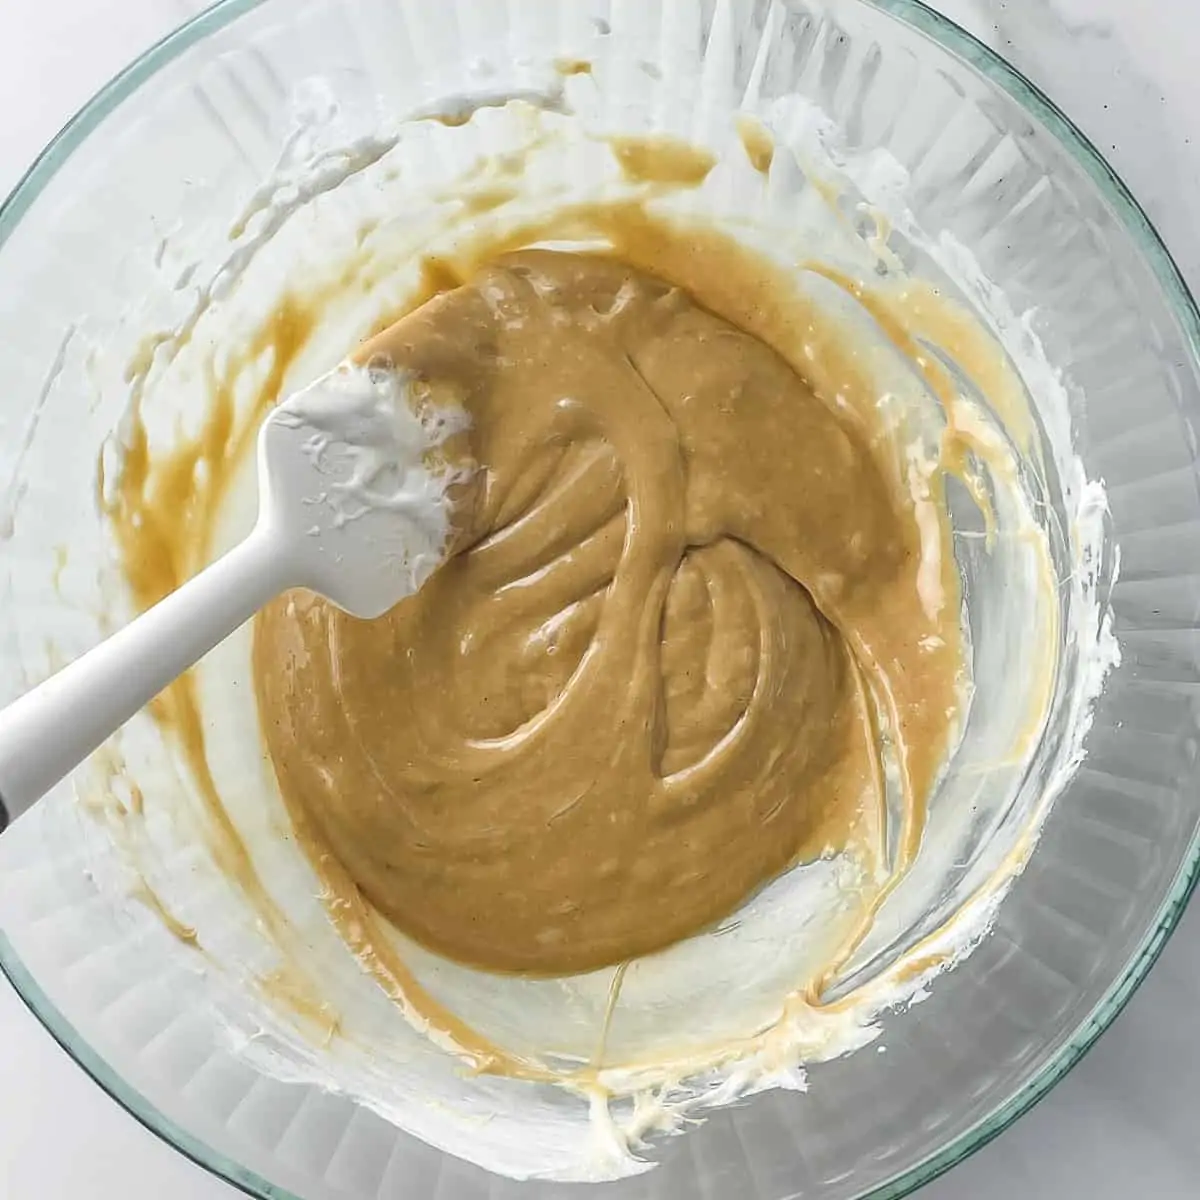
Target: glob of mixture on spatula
690, 606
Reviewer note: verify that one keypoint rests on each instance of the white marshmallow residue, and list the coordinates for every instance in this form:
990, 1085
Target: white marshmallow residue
364, 460
458, 109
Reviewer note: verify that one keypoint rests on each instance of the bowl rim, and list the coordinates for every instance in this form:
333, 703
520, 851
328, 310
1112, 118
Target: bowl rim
1129, 212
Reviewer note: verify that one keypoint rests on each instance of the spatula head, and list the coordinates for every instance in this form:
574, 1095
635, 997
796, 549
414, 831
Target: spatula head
355, 489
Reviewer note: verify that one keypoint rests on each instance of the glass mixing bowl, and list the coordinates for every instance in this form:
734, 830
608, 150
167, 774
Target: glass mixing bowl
180, 139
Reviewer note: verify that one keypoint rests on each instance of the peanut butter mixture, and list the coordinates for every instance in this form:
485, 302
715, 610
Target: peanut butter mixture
693, 612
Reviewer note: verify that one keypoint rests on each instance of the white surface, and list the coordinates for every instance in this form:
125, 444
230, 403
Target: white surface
1125, 1121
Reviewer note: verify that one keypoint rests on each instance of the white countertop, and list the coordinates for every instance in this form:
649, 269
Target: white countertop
1127, 1120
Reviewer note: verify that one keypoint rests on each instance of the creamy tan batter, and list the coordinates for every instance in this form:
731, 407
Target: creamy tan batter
693, 591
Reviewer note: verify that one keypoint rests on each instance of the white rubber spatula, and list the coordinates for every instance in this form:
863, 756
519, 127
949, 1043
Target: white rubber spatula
348, 507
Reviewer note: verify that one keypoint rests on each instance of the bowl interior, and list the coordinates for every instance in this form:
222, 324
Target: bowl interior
178, 145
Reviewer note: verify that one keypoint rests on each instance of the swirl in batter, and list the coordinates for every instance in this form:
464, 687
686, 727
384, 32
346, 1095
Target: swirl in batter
697, 604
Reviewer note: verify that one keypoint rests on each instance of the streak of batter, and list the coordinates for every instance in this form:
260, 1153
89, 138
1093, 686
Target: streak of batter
692, 594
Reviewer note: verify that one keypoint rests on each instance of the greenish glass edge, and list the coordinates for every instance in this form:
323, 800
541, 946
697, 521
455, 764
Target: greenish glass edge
947, 34
129, 1098
118, 89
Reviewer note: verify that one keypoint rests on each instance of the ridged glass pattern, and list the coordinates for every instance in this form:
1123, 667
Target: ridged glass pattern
196, 124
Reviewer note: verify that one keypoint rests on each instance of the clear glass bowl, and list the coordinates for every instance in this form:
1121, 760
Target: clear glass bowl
191, 127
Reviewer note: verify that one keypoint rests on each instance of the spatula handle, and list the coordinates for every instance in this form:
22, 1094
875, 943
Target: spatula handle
50, 730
